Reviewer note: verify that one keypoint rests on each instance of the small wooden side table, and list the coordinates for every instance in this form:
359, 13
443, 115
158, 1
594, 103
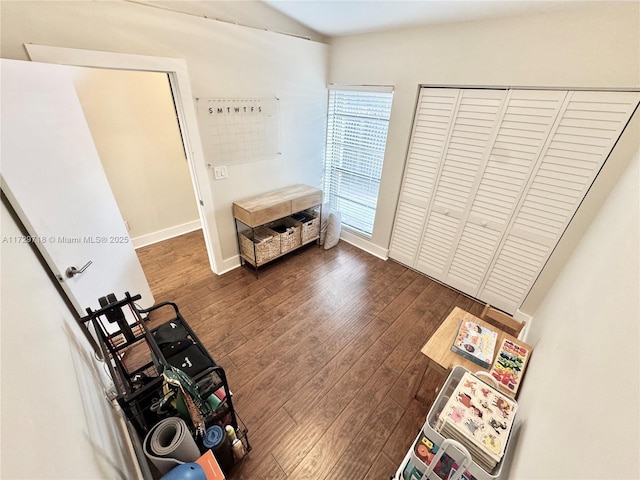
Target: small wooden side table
438, 347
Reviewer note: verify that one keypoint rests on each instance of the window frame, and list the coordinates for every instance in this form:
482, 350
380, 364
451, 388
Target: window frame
365, 171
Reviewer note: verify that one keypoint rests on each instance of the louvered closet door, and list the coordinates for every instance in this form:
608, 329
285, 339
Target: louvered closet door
588, 127
524, 127
431, 131
472, 134
493, 178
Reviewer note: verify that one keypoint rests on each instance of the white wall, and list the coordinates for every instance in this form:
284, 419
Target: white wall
585, 304
56, 422
594, 46
224, 60
581, 392
134, 126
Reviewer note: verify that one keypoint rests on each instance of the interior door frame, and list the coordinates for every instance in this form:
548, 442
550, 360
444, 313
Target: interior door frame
176, 70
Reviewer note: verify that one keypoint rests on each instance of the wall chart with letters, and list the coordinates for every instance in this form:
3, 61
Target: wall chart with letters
239, 130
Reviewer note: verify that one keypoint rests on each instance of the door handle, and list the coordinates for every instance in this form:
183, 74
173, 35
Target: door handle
73, 271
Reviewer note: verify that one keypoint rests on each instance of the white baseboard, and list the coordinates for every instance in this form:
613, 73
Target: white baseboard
365, 245
355, 240
166, 234
229, 264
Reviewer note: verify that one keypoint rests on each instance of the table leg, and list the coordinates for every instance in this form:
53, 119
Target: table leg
418, 379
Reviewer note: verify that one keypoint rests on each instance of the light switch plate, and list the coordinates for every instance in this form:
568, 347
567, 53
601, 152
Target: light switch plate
220, 173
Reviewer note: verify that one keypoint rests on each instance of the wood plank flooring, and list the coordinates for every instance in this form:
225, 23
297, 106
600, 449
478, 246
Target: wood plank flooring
320, 350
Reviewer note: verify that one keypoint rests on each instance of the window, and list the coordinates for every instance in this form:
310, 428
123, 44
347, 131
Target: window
357, 124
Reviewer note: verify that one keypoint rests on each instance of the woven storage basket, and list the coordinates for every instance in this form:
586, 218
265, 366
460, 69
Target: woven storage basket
310, 227
267, 245
289, 231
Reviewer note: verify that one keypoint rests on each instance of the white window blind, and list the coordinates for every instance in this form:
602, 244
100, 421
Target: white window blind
357, 126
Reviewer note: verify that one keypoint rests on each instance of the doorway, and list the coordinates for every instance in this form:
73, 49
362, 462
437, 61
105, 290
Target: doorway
176, 70
134, 127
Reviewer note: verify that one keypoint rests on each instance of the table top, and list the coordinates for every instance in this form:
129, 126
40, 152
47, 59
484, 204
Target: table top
276, 204
438, 347
276, 197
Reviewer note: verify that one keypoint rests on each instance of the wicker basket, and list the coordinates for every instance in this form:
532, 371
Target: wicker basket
289, 231
267, 245
310, 227
310, 220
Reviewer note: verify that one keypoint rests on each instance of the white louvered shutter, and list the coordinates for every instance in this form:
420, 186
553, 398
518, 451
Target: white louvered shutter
491, 185
431, 130
524, 127
472, 135
580, 142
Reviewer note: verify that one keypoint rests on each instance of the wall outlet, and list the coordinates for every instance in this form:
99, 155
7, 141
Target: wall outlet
220, 173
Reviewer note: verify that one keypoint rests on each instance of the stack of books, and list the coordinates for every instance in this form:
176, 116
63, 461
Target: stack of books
479, 417
475, 342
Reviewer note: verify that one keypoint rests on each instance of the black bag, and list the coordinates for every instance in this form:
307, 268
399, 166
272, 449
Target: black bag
172, 338
173, 348
170, 332
191, 361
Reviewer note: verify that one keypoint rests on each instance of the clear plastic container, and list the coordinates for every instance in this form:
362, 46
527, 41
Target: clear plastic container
428, 431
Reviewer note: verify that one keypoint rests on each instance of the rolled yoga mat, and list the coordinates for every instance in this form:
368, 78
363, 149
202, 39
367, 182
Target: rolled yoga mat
169, 443
217, 440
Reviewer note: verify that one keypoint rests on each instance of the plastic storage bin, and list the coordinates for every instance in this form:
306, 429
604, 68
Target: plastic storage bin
412, 463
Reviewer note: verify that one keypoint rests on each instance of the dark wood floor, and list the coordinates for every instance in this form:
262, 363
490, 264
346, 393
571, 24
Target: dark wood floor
321, 351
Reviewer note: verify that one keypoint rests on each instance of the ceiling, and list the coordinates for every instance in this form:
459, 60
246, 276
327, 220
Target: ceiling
350, 17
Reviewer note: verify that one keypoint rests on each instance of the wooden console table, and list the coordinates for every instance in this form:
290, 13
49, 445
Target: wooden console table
253, 216
261, 209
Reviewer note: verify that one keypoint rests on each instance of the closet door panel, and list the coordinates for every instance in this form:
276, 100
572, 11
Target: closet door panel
510, 277
472, 136
472, 255
587, 130
407, 232
571, 162
437, 242
493, 178
528, 118
431, 133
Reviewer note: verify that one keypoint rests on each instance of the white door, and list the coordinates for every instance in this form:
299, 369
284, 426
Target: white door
587, 129
52, 175
490, 186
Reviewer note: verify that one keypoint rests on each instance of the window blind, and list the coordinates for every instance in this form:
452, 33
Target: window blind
357, 126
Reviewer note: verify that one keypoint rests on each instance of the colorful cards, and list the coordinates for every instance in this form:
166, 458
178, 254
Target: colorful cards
509, 365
